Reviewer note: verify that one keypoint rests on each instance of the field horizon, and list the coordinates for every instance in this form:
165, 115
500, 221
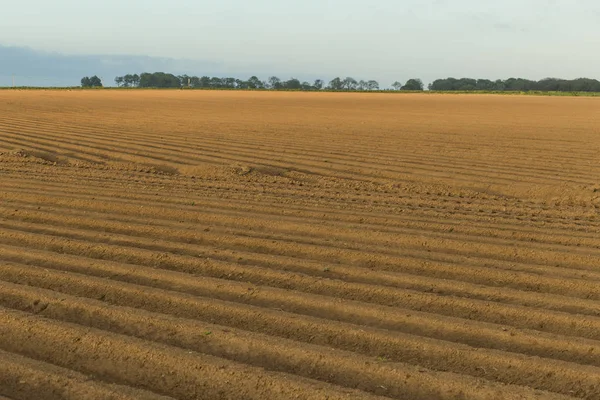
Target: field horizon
381, 91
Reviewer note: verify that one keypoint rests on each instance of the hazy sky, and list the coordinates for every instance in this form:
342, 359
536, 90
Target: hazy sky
380, 39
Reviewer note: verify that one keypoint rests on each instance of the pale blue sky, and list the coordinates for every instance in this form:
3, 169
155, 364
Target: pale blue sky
384, 39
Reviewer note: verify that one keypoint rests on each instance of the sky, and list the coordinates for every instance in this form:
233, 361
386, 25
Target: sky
386, 40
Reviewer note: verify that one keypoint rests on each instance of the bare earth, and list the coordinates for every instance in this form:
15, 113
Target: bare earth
242, 245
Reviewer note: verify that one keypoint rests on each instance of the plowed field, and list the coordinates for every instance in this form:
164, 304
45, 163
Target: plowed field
241, 245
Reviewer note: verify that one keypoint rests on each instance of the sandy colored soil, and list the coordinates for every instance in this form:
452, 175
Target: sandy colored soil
240, 245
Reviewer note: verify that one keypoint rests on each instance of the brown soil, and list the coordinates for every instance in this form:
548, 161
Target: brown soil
242, 245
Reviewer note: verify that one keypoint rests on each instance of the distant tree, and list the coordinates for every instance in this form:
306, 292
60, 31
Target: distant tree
372, 85
240, 84
93, 81
185, 80
307, 86
361, 85
255, 83
195, 82
159, 80
499, 85
349, 83
130, 80
119, 81
413, 84
216, 83
549, 85
519, 85
293, 84
585, 85
467, 84
336, 84
397, 85
204, 82
229, 82
485, 84
318, 85
442, 84
274, 83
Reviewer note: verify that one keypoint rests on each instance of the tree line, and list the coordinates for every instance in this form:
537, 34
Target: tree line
165, 80
516, 85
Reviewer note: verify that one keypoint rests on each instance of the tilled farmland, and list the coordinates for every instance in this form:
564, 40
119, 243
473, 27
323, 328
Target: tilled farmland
255, 245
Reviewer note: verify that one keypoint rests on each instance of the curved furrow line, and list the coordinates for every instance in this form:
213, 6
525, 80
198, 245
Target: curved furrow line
38, 145
184, 204
266, 253
252, 156
335, 193
159, 368
307, 275
253, 310
411, 264
196, 218
225, 221
470, 332
249, 235
343, 368
232, 288
86, 144
245, 143
25, 378
341, 186
185, 144
107, 153
343, 236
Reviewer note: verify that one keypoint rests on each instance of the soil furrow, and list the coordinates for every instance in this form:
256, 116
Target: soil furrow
269, 270
341, 368
22, 378
160, 368
470, 332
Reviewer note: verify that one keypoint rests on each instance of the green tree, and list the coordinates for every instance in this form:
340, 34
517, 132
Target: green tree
318, 85
349, 83
275, 83
397, 85
159, 80
119, 81
93, 81
336, 84
293, 84
216, 83
485, 84
307, 86
372, 85
240, 84
130, 80
185, 80
255, 83
229, 82
195, 82
204, 82
413, 84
